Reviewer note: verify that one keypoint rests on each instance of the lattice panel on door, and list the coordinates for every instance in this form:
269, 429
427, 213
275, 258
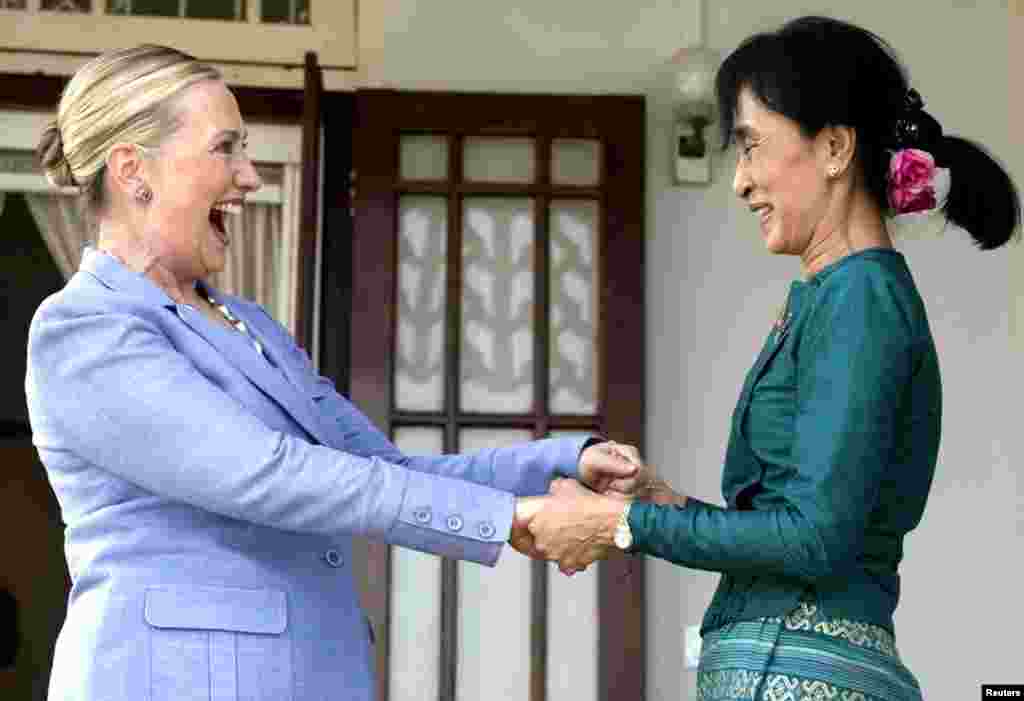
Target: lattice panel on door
574, 299
488, 227
419, 357
494, 613
415, 640
497, 305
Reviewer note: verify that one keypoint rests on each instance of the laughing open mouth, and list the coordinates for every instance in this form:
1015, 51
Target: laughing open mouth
218, 218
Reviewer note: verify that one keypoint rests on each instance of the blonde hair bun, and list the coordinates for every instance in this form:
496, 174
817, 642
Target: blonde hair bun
50, 154
123, 96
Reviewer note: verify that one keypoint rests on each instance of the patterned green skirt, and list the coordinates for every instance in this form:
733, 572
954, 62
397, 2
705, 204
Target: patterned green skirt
803, 657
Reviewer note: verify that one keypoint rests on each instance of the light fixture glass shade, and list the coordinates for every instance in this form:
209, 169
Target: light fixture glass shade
693, 73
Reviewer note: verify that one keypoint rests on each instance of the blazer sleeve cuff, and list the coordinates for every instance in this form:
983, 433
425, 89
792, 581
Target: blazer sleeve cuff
453, 518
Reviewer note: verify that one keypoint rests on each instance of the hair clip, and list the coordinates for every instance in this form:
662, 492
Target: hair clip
912, 102
914, 128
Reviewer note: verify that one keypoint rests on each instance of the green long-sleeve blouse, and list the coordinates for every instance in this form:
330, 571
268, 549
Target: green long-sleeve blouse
831, 454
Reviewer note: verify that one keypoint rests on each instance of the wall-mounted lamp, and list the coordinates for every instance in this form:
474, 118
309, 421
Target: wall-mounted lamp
693, 103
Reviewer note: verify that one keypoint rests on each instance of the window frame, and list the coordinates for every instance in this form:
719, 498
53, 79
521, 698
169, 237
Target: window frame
331, 34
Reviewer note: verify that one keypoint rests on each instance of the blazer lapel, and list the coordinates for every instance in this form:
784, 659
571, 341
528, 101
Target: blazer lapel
238, 347
232, 345
296, 374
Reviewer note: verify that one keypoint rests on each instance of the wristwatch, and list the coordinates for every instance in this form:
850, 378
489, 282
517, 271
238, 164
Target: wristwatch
624, 536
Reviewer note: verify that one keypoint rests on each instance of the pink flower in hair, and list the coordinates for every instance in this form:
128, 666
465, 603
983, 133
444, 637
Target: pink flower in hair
911, 187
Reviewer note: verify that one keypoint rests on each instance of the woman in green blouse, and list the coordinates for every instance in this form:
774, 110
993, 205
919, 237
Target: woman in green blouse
834, 439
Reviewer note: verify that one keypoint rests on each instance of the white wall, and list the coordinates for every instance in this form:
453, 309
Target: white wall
525, 46
713, 291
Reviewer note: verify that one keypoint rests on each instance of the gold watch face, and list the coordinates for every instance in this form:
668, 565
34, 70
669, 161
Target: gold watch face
623, 538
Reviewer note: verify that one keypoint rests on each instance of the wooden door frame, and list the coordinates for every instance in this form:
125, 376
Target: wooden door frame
619, 122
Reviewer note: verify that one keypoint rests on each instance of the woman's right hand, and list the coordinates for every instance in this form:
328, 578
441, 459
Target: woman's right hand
520, 538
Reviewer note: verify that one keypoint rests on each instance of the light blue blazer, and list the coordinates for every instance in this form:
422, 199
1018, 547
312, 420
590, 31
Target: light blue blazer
209, 494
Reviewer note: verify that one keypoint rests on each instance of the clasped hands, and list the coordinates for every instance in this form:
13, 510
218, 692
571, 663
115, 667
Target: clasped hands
575, 523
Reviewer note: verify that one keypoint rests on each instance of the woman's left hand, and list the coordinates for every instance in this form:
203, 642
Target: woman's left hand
659, 492
575, 526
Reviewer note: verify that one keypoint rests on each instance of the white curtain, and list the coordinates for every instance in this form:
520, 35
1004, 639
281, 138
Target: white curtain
262, 262
63, 227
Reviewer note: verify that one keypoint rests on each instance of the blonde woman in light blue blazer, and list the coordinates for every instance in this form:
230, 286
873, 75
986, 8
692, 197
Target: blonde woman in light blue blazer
208, 477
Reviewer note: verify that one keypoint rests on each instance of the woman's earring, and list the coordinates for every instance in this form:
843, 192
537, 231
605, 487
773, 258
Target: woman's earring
833, 170
144, 194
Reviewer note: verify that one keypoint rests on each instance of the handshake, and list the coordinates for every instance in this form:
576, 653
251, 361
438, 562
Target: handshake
575, 524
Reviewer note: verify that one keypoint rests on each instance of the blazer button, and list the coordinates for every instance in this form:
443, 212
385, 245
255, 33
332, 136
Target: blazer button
334, 558
486, 529
454, 523
422, 514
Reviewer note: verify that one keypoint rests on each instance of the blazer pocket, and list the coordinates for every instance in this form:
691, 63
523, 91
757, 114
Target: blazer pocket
218, 644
